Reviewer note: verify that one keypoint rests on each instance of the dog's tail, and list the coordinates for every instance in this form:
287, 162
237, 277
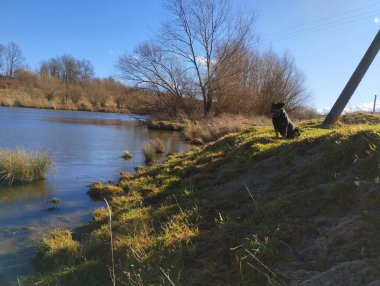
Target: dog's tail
296, 132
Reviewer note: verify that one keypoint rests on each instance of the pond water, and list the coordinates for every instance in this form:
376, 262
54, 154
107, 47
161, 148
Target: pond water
85, 147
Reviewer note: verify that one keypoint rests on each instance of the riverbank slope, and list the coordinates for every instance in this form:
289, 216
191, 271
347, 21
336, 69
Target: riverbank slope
247, 209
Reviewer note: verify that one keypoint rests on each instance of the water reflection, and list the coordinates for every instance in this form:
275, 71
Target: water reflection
94, 121
24, 194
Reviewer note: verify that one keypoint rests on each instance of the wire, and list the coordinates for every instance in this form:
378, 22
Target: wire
323, 19
325, 26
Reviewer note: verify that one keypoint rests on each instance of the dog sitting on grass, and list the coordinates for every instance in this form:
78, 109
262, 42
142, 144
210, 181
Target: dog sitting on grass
282, 123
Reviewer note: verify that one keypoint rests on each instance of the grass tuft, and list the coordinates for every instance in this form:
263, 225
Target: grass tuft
20, 167
98, 191
211, 129
151, 148
57, 249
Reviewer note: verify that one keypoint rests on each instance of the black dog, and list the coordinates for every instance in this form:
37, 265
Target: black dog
282, 122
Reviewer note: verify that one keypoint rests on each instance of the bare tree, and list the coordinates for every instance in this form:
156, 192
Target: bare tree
252, 81
151, 68
280, 81
86, 70
200, 37
237, 83
67, 69
13, 59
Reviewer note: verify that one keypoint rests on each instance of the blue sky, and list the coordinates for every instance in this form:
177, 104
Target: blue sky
327, 38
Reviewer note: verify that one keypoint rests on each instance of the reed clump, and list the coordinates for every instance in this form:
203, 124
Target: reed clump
151, 148
21, 167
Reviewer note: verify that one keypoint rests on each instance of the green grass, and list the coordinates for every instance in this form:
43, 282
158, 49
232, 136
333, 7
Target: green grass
243, 210
20, 167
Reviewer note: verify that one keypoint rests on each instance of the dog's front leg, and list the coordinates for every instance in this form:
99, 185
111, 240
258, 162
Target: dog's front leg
285, 133
276, 134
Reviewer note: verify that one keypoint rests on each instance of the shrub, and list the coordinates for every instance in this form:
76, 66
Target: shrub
19, 167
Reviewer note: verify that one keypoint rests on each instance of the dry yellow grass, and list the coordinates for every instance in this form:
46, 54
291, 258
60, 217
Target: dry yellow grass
209, 129
19, 166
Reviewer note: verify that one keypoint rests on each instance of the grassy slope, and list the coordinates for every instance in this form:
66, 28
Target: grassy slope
247, 209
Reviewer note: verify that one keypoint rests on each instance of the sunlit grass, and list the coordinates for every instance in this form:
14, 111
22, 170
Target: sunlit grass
235, 209
57, 249
20, 167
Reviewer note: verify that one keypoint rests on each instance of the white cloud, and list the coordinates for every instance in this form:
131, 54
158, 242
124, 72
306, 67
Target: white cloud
364, 106
323, 110
377, 20
202, 60
136, 57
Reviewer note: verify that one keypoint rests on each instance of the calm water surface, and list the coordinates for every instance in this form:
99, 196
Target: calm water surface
85, 147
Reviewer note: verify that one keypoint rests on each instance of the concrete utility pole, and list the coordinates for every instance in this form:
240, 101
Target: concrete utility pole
374, 104
354, 81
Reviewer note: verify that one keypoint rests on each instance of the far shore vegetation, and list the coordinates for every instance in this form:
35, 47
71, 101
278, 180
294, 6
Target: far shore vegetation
21, 167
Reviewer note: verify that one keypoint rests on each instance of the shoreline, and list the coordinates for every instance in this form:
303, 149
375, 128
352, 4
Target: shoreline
175, 213
136, 135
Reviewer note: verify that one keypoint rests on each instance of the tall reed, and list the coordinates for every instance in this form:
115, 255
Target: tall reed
151, 148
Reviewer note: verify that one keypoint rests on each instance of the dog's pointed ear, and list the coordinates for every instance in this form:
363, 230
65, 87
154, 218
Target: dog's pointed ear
281, 104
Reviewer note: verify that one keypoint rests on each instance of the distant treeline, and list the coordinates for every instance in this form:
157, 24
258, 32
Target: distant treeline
245, 83
62, 83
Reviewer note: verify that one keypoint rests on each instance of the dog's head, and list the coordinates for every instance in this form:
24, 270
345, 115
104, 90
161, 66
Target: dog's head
277, 109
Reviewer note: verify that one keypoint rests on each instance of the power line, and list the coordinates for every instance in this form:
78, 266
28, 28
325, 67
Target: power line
327, 26
323, 19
